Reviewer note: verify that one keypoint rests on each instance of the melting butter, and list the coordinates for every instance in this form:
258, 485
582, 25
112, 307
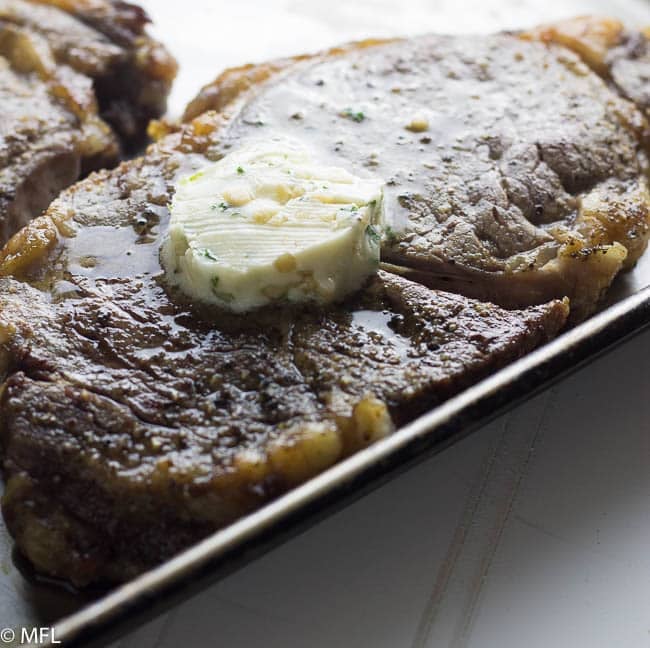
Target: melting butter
268, 222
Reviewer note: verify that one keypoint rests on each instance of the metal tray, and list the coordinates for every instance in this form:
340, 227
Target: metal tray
97, 617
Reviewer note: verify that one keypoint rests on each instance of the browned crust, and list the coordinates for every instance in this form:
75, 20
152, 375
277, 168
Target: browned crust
76, 535
590, 37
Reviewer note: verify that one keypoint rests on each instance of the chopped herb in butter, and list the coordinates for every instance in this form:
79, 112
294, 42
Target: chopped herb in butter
354, 115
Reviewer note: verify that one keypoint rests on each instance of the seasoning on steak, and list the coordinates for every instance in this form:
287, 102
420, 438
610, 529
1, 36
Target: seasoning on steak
515, 174
133, 423
78, 81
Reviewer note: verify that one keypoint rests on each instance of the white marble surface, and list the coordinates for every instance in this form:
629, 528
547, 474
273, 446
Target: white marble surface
532, 532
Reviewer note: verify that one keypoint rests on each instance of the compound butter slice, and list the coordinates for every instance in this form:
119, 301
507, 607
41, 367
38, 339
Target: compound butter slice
268, 223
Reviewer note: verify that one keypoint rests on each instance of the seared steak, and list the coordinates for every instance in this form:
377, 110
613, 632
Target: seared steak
133, 423
515, 174
78, 82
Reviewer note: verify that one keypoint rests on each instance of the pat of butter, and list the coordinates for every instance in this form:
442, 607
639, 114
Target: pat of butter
268, 223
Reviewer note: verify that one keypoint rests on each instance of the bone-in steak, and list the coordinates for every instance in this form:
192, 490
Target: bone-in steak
78, 82
515, 173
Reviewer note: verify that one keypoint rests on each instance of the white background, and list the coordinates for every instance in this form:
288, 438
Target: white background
534, 532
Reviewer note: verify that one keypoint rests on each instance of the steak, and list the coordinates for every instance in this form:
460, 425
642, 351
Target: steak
514, 172
134, 423
79, 83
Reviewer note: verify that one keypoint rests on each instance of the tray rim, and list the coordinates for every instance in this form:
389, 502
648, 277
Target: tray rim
222, 553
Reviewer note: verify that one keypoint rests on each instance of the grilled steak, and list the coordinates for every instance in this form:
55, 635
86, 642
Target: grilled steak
133, 423
78, 81
515, 174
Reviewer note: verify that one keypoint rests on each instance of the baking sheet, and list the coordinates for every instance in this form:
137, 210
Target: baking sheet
206, 37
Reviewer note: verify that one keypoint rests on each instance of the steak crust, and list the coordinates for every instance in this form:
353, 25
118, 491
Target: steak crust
79, 82
515, 173
134, 424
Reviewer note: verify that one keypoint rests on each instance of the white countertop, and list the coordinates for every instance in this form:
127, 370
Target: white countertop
534, 531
